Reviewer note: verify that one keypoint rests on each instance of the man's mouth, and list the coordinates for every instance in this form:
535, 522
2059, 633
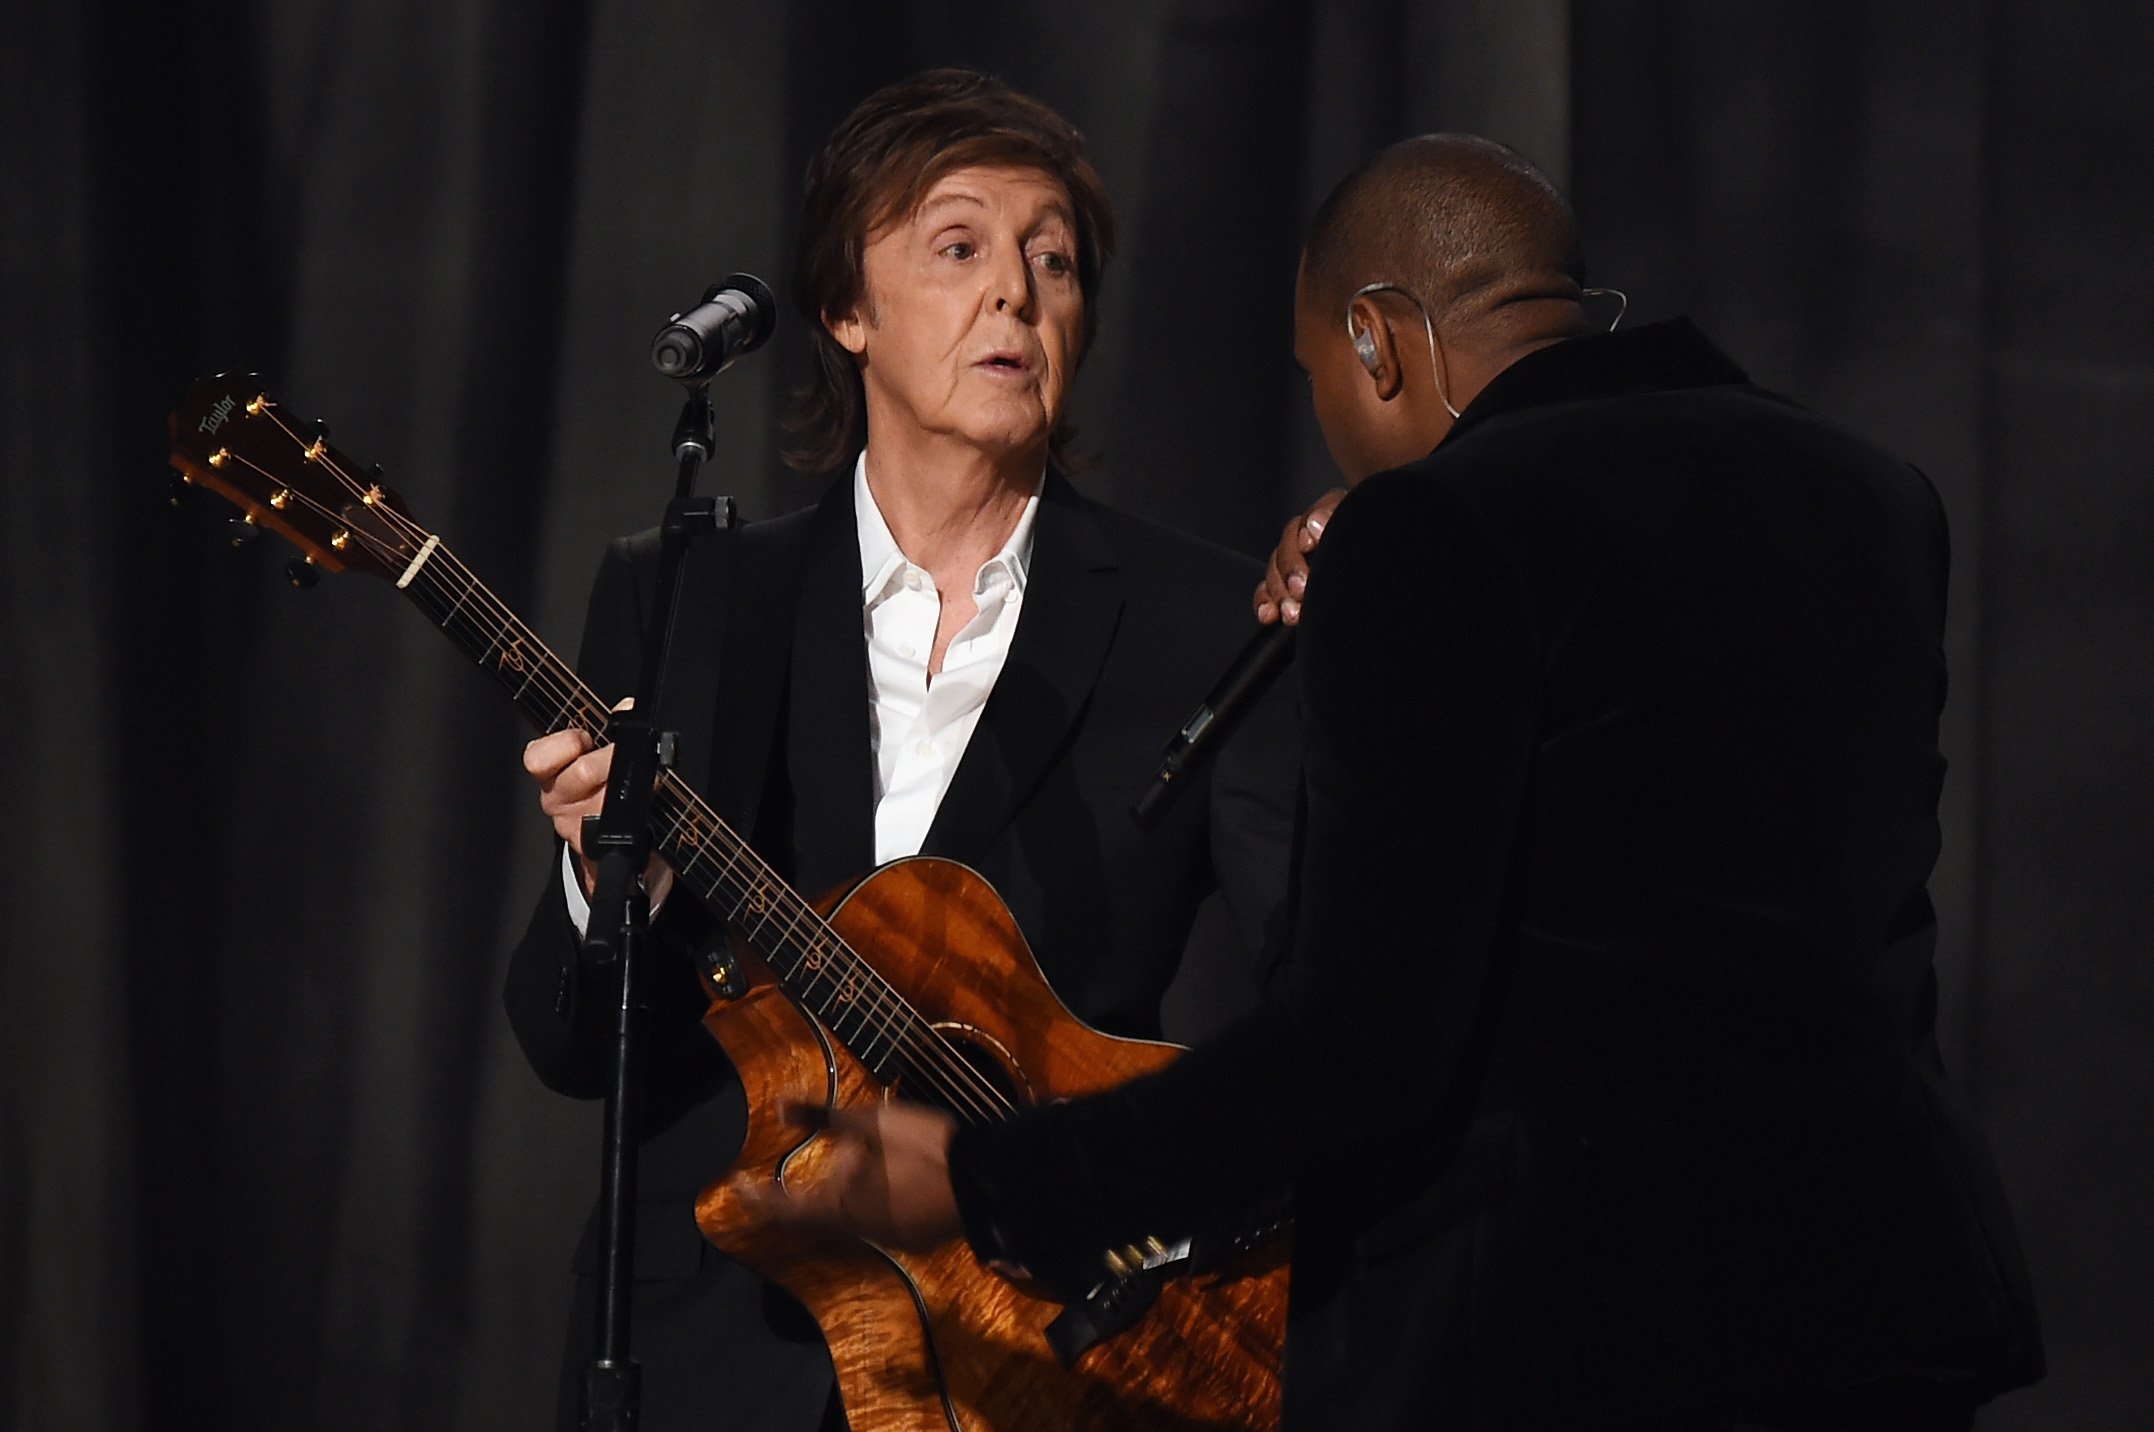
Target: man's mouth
1005, 361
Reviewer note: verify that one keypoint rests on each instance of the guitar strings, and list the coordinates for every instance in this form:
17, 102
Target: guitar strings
908, 1034
911, 1033
294, 495
901, 1027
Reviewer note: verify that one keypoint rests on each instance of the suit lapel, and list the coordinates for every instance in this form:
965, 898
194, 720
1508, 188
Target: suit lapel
1072, 605
741, 612
831, 763
701, 643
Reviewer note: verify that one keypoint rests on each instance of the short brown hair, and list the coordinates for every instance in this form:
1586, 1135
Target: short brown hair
878, 165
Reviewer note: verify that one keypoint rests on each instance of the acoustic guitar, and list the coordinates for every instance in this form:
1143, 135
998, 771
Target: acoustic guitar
912, 982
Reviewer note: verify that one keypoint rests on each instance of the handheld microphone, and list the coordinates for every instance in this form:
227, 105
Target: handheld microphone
735, 317
1252, 672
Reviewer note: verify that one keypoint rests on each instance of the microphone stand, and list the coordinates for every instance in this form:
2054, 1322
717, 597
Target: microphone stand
619, 840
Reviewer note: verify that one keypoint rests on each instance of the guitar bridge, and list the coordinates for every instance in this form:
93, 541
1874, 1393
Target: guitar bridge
1135, 1275
1110, 1307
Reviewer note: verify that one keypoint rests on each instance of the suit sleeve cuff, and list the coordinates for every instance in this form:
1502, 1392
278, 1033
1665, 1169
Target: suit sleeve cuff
1023, 1196
974, 1189
579, 905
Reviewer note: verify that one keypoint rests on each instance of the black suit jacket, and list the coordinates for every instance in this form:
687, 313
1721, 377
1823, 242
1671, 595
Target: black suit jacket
1124, 627
1606, 1081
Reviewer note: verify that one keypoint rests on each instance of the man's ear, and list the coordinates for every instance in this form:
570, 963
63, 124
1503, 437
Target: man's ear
851, 330
1376, 346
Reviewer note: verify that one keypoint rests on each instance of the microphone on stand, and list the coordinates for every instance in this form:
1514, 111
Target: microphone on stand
735, 316
1252, 672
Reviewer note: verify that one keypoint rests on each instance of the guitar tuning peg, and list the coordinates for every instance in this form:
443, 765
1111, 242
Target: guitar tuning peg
302, 573
180, 488
242, 531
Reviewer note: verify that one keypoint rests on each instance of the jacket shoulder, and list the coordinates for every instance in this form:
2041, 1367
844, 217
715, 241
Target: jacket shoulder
1731, 423
765, 543
640, 549
1145, 543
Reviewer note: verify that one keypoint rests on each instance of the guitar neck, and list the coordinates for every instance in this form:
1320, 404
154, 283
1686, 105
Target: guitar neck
828, 977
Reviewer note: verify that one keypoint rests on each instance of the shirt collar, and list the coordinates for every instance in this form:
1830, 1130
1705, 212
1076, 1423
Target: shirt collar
881, 559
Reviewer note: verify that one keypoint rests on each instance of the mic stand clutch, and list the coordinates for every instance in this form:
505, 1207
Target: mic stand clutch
619, 840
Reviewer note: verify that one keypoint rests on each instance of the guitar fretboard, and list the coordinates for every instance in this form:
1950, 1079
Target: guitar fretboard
822, 971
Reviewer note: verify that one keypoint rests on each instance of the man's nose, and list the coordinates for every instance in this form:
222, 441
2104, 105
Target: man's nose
1010, 281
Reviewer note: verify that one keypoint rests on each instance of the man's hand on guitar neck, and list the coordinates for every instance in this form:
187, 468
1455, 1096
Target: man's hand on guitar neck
887, 1180
571, 778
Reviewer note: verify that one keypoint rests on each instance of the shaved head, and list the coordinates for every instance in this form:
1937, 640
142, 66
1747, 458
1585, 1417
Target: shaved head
1465, 223
1472, 262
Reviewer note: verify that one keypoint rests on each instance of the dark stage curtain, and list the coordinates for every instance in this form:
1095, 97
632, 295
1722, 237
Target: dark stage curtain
268, 1157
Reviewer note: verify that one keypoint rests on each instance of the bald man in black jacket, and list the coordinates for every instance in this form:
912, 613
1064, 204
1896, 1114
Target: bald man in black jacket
1607, 1084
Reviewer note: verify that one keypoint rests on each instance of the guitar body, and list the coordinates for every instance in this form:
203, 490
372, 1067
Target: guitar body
921, 1342
936, 1342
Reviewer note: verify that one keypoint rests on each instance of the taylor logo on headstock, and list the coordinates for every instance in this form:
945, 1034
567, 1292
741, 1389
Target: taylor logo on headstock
214, 418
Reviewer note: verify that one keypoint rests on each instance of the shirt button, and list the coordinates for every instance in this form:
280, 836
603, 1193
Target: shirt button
926, 748
912, 581
905, 648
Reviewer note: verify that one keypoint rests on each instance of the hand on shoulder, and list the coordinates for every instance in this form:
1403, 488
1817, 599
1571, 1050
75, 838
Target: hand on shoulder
1278, 596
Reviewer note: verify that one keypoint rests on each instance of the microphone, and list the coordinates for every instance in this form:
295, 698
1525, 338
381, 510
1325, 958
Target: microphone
735, 316
1254, 669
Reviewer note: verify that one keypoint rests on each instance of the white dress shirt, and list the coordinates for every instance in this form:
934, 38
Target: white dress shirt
917, 729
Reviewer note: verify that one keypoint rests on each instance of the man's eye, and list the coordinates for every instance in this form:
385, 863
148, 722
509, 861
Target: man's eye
1055, 262
960, 250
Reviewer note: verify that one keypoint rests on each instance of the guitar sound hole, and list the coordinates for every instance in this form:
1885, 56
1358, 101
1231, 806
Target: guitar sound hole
990, 1085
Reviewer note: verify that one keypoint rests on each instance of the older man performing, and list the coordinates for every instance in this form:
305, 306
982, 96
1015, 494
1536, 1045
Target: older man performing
953, 652
1606, 1082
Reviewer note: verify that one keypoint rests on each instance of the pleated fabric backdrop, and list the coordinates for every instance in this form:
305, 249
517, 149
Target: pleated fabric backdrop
268, 1156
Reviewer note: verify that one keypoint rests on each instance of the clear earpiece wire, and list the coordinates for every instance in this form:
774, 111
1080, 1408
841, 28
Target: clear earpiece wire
1622, 302
1428, 326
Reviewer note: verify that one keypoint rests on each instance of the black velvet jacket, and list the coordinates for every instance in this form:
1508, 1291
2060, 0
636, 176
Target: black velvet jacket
1125, 625
1605, 1081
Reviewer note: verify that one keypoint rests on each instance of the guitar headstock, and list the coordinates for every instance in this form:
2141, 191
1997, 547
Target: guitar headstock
231, 437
